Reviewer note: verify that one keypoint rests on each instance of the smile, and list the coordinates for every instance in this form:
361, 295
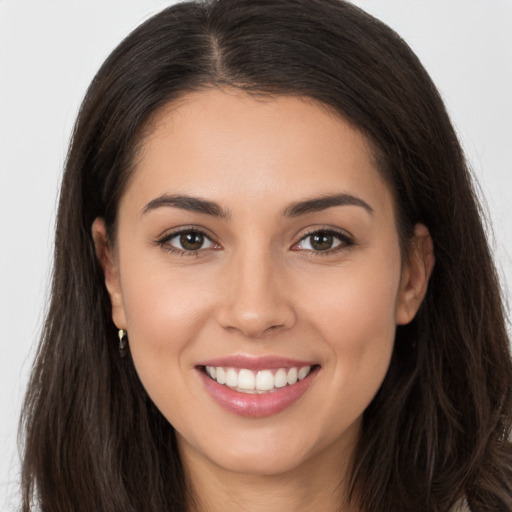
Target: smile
257, 382
256, 387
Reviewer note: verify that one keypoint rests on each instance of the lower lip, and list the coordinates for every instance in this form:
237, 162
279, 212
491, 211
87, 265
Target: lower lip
256, 405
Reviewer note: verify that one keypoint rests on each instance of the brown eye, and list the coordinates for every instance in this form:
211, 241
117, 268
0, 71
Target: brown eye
192, 241
323, 241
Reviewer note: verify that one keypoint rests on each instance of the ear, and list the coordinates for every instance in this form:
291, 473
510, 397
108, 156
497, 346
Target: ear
415, 275
106, 257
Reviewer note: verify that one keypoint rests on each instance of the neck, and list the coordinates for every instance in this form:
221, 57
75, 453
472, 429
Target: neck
318, 484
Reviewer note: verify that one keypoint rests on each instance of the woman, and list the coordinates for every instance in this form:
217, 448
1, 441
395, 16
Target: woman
266, 204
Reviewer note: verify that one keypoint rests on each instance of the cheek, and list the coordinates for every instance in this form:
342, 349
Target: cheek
355, 298
354, 313
160, 301
164, 312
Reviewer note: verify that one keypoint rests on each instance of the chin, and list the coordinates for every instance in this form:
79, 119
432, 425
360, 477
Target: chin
269, 451
260, 462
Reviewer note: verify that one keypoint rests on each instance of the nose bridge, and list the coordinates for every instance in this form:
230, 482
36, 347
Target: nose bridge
256, 300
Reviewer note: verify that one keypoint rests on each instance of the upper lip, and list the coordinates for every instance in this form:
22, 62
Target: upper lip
267, 362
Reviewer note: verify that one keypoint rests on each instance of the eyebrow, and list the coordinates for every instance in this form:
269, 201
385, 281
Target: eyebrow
198, 205
193, 204
318, 204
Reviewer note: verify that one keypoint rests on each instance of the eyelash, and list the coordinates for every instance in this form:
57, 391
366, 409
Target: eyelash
344, 238
164, 242
345, 241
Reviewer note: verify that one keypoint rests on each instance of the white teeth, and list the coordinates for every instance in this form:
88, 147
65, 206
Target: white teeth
303, 372
291, 376
261, 381
246, 379
280, 378
264, 380
221, 375
231, 378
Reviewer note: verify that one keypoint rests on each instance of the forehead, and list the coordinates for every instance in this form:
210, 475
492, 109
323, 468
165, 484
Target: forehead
227, 144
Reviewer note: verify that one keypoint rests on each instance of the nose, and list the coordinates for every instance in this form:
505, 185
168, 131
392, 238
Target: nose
256, 298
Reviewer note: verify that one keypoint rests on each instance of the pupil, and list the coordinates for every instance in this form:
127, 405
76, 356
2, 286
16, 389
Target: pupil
191, 241
321, 241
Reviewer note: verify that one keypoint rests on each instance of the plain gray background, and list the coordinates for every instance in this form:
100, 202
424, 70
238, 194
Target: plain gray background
49, 52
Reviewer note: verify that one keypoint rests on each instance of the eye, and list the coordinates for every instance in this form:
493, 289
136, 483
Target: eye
323, 241
188, 241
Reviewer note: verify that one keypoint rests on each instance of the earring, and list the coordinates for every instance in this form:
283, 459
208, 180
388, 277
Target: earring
123, 342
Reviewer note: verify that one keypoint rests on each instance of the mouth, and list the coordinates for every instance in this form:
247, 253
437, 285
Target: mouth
256, 387
257, 382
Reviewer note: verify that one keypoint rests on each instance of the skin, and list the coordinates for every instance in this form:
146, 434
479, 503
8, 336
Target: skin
260, 288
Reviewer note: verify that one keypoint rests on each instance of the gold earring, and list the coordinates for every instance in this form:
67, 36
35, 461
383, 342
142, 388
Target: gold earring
123, 342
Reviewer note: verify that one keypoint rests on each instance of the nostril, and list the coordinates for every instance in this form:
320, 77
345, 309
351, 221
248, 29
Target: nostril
255, 306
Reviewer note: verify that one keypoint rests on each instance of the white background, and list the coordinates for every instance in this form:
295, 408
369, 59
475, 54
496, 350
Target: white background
49, 52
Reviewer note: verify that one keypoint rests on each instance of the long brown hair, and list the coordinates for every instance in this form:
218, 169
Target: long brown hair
439, 428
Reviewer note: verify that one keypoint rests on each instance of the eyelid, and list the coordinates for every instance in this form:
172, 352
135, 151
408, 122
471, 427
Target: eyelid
163, 240
344, 236
169, 233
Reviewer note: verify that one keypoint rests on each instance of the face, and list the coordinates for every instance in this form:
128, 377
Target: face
258, 273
